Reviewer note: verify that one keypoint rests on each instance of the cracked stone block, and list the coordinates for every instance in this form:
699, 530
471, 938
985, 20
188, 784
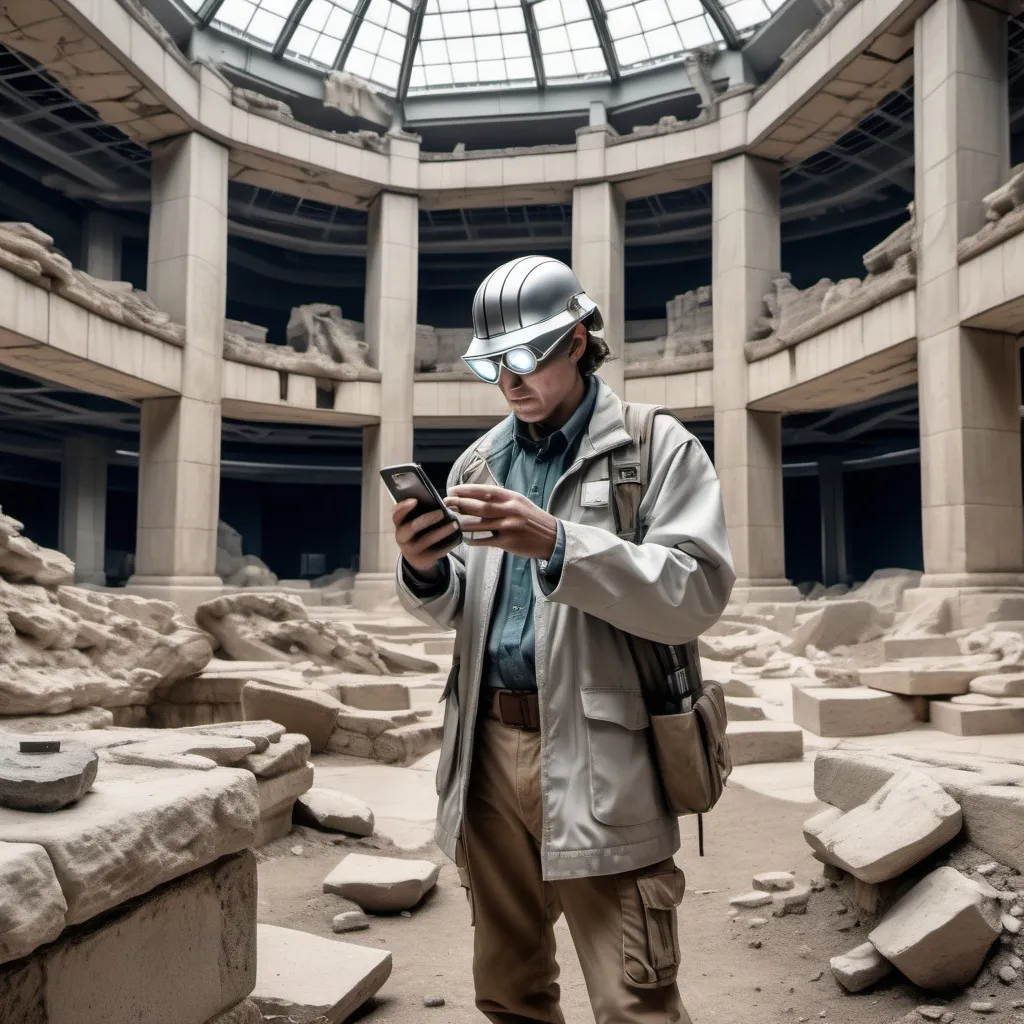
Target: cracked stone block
277, 798
761, 742
303, 977
909, 818
45, 781
335, 812
940, 932
861, 968
290, 752
815, 826
382, 885
1005, 716
855, 711
31, 904
308, 711
408, 743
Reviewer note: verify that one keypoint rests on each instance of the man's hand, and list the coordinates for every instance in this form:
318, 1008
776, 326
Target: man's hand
519, 526
417, 537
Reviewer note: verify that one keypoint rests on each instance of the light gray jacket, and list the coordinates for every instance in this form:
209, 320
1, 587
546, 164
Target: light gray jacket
602, 805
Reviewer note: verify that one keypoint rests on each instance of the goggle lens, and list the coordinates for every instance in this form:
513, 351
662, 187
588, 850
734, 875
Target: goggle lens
520, 361
488, 370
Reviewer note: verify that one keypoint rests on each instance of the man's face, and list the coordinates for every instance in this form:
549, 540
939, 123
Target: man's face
535, 397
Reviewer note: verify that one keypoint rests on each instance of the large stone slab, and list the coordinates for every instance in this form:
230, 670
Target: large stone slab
919, 679
335, 812
382, 885
762, 742
967, 720
896, 647
226, 751
37, 781
310, 712
303, 977
861, 968
261, 732
32, 906
277, 798
939, 934
909, 818
184, 953
855, 711
368, 693
139, 828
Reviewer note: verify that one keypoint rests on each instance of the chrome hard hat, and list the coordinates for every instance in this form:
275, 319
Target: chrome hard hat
522, 311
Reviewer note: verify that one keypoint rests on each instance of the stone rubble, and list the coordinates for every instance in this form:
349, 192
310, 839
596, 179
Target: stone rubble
860, 968
382, 885
335, 812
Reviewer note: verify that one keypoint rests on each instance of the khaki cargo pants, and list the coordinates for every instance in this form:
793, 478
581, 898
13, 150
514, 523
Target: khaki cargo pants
623, 926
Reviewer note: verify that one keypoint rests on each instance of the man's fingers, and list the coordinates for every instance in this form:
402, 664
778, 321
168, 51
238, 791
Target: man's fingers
401, 510
479, 508
428, 540
410, 529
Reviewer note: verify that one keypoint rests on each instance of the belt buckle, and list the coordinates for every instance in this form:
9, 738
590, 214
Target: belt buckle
514, 710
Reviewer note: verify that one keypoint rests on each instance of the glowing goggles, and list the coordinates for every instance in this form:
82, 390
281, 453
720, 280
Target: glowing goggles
520, 361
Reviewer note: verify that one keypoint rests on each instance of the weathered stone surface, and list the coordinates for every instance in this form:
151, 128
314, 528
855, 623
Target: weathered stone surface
775, 881
939, 933
262, 732
164, 715
408, 743
760, 742
896, 647
855, 711
137, 829
793, 902
302, 977
45, 782
994, 822
920, 678
367, 693
382, 885
22, 560
373, 723
751, 900
1004, 716
815, 826
32, 906
354, 744
277, 798
308, 712
861, 968
745, 709
71, 721
245, 1012
349, 921
1010, 684
909, 818
226, 751
335, 812
837, 623
190, 945
289, 753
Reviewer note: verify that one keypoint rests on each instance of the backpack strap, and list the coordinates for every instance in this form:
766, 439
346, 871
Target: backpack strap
630, 468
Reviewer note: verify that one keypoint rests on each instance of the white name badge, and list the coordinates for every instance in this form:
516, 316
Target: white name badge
595, 494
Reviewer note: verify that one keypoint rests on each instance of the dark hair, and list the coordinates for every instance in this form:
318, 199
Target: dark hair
595, 353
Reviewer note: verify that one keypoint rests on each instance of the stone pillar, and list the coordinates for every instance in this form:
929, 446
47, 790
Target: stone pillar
968, 379
748, 445
833, 521
599, 259
83, 507
102, 244
179, 450
392, 270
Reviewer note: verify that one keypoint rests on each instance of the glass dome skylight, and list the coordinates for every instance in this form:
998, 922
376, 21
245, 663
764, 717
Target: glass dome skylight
403, 46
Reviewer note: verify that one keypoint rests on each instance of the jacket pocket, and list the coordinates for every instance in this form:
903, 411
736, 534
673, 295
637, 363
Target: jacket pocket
650, 927
624, 788
450, 732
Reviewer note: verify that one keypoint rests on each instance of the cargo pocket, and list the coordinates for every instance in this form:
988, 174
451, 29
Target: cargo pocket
650, 936
624, 789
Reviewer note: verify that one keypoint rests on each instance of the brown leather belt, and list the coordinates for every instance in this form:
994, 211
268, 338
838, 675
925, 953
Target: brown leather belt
517, 709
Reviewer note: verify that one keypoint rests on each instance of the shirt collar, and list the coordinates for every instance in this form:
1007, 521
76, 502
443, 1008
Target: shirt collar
567, 435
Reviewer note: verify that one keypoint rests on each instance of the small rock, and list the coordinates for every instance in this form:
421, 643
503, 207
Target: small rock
756, 944
804, 951
757, 922
817, 977
1011, 924
987, 869
382, 885
792, 902
433, 1000
774, 881
751, 900
405, 913
860, 968
1017, 1004
1016, 963
1017, 911
334, 812
297, 851
983, 1007
931, 1012
948, 1018
350, 921
846, 927
818, 885
1007, 975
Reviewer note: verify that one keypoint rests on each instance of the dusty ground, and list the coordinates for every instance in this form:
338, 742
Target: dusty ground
724, 980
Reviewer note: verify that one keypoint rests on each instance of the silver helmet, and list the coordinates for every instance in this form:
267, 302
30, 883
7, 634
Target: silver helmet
522, 311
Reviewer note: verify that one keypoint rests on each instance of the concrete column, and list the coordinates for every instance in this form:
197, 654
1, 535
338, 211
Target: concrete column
968, 379
599, 259
102, 246
748, 445
833, 521
83, 507
179, 454
392, 269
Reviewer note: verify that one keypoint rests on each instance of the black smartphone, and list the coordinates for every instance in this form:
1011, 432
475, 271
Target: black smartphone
410, 481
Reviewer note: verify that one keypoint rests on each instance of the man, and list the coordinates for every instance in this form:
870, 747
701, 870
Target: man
549, 798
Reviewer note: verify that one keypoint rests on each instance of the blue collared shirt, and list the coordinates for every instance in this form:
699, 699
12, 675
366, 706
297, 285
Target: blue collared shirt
533, 471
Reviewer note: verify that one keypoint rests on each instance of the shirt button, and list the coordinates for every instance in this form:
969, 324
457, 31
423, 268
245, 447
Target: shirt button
515, 608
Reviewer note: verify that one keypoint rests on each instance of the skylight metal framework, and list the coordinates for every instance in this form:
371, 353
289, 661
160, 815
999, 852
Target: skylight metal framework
482, 44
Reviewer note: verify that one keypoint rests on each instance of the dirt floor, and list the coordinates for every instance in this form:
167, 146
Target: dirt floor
724, 979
